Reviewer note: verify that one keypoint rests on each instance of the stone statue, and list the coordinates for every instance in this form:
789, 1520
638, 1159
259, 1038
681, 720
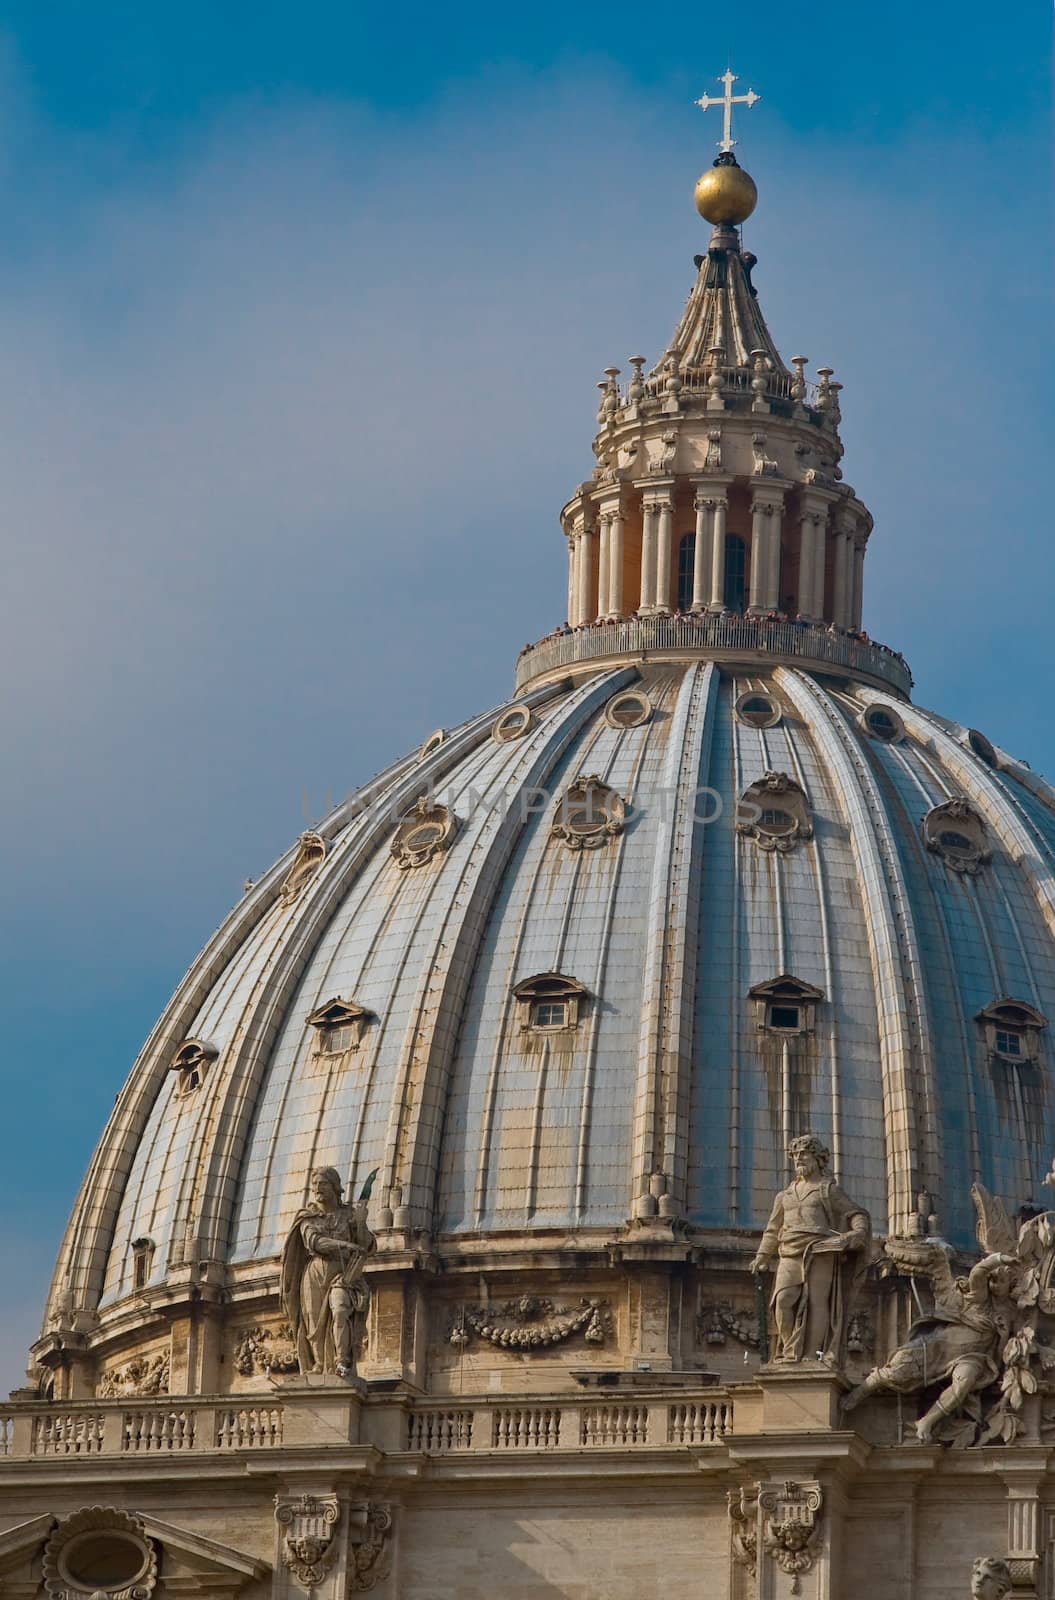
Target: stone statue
821, 1241
323, 1292
959, 1341
990, 1579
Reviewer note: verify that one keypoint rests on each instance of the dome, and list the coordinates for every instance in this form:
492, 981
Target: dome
584, 964
734, 983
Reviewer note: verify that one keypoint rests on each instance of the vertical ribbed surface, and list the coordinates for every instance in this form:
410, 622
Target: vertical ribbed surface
478, 1125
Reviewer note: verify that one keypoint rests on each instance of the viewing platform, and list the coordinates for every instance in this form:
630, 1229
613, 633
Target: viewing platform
732, 639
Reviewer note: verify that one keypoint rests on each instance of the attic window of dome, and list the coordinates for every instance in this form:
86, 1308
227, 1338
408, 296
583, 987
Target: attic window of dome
629, 710
432, 743
191, 1062
513, 724
588, 814
100, 1551
775, 812
142, 1261
982, 747
955, 832
883, 724
757, 710
549, 1003
424, 831
1011, 1030
785, 1006
340, 1025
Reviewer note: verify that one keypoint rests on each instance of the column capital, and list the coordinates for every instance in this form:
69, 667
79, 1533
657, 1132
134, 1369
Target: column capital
765, 508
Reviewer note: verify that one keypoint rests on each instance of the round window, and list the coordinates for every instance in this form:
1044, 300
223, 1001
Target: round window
757, 710
958, 842
629, 710
104, 1559
512, 724
884, 724
981, 747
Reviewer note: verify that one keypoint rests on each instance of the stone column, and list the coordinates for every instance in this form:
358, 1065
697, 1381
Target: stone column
603, 563
703, 560
573, 579
587, 573
650, 513
811, 556
615, 564
842, 597
857, 608
765, 555
664, 542
719, 508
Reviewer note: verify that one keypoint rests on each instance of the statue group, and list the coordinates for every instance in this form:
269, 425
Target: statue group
979, 1341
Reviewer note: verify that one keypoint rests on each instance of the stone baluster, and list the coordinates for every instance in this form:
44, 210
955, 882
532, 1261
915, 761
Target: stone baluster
719, 510
703, 558
664, 544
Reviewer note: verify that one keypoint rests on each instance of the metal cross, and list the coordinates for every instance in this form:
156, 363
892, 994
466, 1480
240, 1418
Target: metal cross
727, 101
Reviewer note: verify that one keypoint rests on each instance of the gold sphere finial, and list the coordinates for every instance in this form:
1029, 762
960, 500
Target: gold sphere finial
726, 193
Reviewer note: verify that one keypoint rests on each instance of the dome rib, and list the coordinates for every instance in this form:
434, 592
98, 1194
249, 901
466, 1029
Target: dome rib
723, 311
420, 1093
894, 950
665, 1044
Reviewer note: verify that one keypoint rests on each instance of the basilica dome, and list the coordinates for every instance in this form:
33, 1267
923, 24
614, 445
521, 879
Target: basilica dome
584, 963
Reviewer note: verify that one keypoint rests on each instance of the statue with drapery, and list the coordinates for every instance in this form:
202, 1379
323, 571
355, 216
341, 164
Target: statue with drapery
324, 1295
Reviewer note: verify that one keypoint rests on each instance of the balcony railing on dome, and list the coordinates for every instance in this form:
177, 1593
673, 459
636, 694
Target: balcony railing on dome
812, 644
171, 1425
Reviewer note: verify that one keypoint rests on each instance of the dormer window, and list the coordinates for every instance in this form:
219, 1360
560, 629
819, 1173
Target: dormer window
340, 1025
785, 1006
1011, 1030
142, 1262
549, 1003
957, 833
191, 1062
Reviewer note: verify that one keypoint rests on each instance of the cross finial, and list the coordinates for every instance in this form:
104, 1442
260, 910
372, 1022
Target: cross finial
727, 101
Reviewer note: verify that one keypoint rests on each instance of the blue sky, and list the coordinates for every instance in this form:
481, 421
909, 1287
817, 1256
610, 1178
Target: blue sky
301, 309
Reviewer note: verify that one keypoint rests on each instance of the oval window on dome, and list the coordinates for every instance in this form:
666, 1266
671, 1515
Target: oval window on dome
629, 710
982, 747
432, 743
775, 812
588, 814
955, 832
884, 724
757, 710
513, 724
424, 831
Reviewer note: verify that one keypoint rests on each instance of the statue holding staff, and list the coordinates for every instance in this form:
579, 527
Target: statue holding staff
324, 1295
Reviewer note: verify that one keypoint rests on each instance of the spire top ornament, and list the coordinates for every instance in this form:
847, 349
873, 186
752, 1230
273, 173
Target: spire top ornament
727, 101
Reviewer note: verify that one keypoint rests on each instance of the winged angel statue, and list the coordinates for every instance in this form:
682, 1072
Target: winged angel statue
982, 1333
